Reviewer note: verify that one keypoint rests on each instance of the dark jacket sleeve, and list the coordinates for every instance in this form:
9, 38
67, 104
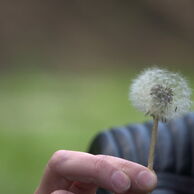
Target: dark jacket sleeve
174, 157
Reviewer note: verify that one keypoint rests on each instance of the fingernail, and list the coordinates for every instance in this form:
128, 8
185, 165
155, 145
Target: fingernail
120, 181
146, 180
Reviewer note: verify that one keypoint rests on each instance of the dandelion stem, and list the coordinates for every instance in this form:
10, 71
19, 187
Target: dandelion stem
153, 144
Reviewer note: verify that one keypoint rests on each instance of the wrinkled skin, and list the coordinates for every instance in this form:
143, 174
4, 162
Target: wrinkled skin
70, 172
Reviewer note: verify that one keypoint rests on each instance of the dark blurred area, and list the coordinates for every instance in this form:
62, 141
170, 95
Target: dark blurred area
75, 33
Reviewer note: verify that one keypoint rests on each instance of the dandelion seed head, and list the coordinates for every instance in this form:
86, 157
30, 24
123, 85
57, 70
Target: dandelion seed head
161, 94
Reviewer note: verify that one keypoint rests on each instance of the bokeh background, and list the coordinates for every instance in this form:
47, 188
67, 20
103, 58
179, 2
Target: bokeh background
65, 70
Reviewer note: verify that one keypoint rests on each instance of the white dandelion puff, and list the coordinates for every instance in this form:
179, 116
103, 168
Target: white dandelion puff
161, 94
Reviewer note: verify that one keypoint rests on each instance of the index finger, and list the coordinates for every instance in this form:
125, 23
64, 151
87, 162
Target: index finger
108, 173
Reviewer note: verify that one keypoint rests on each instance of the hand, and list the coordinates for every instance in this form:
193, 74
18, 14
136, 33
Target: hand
70, 172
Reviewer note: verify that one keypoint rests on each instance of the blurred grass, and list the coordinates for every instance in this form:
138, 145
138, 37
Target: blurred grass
42, 112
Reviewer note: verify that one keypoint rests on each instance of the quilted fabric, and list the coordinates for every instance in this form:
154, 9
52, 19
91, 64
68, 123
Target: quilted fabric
174, 158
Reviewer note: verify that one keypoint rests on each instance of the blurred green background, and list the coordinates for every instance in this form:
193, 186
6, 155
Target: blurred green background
66, 67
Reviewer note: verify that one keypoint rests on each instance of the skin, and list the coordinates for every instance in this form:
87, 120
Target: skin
71, 172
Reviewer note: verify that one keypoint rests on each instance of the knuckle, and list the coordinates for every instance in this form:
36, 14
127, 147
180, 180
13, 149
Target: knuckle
61, 192
124, 166
100, 164
57, 158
